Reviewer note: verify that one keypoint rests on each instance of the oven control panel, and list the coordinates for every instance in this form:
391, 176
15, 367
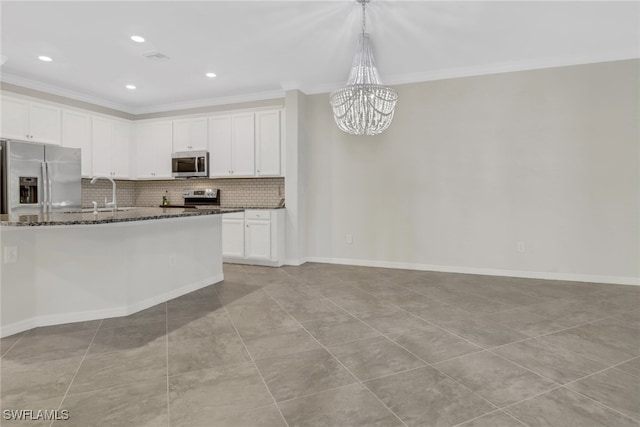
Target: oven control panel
207, 193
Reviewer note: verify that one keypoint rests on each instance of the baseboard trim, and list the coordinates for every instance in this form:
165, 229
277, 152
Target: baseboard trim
615, 280
83, 316
294, 262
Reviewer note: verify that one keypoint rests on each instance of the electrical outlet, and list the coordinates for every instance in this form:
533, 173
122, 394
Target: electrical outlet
172, 260
520, 247
10, 255
348, 239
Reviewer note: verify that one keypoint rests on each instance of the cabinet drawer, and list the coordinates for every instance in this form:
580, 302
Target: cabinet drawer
257, 214
233, 215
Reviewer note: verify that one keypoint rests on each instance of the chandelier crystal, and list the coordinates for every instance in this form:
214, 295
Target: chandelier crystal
365, 106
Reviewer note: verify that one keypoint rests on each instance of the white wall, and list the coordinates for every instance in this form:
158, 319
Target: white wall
471, 166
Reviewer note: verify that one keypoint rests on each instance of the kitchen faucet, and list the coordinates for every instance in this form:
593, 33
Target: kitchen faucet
112, 204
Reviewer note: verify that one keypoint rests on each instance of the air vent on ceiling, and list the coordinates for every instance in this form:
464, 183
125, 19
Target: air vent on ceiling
156, 56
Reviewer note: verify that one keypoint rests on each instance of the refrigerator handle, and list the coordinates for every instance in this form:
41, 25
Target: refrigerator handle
45, 187
50, 192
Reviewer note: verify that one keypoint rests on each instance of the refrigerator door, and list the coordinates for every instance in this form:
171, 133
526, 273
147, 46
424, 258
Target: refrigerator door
24, 181
63, 180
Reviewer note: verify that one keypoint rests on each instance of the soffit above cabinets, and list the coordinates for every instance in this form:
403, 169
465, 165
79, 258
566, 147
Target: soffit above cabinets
258, 49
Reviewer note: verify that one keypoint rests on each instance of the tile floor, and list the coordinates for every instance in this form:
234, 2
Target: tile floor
328, 345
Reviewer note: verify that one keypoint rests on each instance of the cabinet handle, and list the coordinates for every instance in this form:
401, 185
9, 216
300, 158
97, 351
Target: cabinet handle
247, 225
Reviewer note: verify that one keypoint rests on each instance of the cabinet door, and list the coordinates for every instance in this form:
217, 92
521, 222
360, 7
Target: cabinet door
101, 134
76, 133
181, 135
220, 146
190, 135
199, 136
243, 147
233, 238
121, 142
258, 239
268, 143
45, 123
160, 148
15, 118
144, 163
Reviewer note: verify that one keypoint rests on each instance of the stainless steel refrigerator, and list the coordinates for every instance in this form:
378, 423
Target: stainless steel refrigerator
39, 178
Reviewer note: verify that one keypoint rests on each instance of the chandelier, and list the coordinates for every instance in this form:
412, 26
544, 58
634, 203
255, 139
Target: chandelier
364, 106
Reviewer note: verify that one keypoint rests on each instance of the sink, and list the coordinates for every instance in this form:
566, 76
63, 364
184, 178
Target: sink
90, 210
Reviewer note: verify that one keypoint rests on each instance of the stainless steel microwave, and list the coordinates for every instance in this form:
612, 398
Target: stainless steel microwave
190, 164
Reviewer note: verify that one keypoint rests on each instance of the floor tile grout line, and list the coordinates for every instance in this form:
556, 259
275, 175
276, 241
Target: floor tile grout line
489, 349
425, 320
64, 396
523, 307
571, 391
514, 342
602, 404
503, 345
252, 360
497, 411
342, 364
434, 367
12, 345
614, 366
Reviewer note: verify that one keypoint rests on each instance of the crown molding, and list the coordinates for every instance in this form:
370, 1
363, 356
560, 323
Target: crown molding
210, 102
399, 79
56, 90
487, 69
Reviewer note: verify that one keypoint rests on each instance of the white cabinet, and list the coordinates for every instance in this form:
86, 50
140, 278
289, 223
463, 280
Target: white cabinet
76, 133
111, 143
30, 121
257, 238
268, 143
121, 150
233, 235
232, 150
190, 135
243, 149
254, 237
153, 150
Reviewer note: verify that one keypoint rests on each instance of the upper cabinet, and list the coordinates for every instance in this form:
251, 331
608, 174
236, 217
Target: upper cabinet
242, 144
153, 150
268, 143
111, 147
30, 121
76, 133
190, 135
232, 151
245, 145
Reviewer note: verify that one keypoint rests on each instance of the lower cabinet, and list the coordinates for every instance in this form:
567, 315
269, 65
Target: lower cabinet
254, 237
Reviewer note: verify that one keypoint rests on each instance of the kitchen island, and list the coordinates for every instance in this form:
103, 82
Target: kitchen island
68, 267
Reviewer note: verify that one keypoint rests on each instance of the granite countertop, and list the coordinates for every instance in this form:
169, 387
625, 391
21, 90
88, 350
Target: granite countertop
258, 207
85, 218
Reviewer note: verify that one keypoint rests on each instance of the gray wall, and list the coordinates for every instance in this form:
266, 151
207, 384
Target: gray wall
471, 166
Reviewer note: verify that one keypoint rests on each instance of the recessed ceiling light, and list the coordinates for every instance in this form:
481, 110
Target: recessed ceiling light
130, 87
45, 58
210, 75
137, 39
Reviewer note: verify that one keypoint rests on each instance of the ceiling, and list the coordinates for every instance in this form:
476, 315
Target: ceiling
258, 49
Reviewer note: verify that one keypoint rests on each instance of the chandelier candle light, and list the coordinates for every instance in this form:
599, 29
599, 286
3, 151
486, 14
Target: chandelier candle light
364, 106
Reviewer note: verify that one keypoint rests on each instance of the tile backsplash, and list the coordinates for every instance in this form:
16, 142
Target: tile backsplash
125, 192
237, 192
